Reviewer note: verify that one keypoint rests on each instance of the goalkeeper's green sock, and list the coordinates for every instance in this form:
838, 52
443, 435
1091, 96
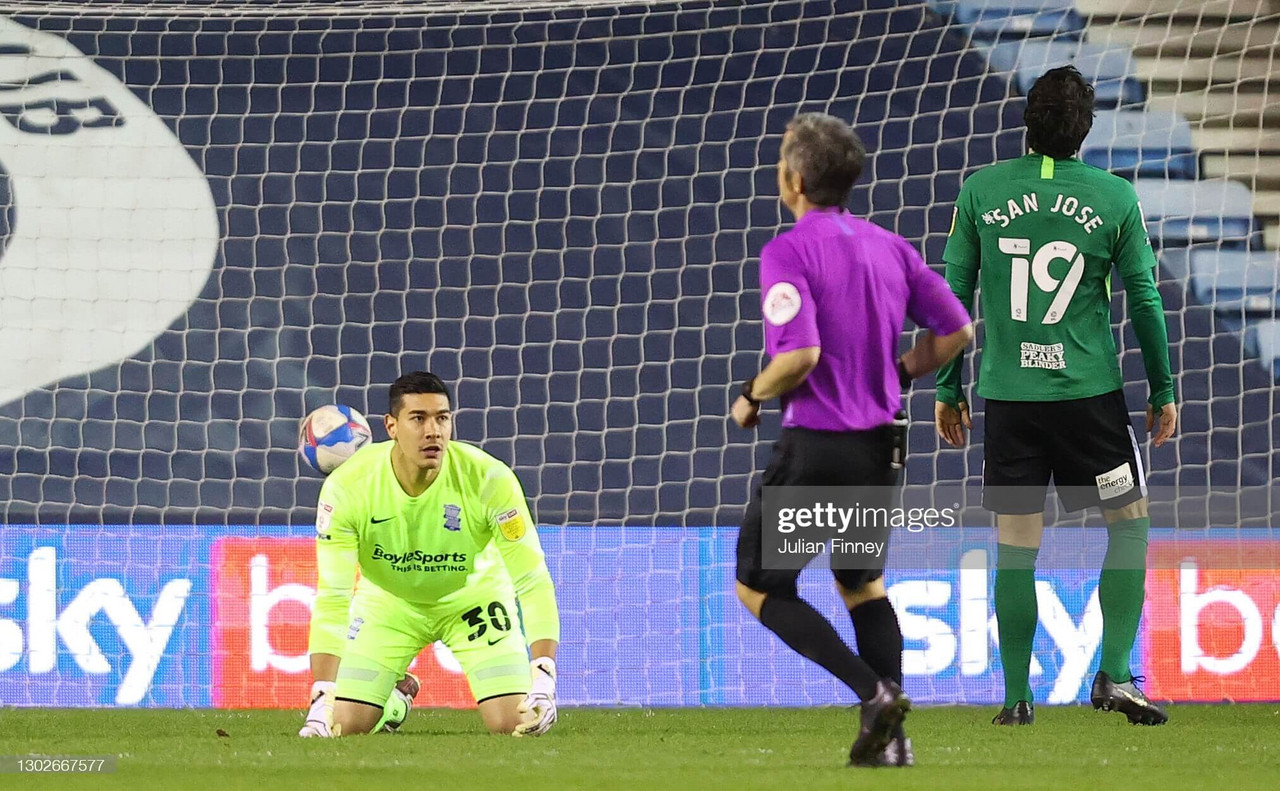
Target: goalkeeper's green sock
395, 711
1017, 616
1121, 591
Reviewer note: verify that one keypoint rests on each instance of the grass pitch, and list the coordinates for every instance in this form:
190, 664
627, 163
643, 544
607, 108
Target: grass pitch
1225, 747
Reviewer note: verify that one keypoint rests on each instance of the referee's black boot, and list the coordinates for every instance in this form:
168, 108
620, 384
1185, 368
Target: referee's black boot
1127, 699
1020, 713
881, 716
898, 753
903, 753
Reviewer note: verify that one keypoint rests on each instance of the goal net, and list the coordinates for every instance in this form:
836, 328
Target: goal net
219, 216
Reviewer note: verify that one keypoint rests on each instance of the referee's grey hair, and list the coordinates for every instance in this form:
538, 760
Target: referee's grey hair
827, 154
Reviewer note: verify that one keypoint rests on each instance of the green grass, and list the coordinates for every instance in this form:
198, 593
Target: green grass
1228, 747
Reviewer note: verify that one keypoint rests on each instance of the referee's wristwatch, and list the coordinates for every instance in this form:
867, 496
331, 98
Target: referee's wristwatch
904, 378
746, 391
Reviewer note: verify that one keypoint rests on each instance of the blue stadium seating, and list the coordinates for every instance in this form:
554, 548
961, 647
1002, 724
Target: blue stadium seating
1106, 67
967, 11
1197, 211
1263, 340
1060, 25
1141, 143
1234, 282
1001, 20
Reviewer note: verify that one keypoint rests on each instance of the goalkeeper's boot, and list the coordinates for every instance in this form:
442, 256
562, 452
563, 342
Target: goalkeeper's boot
1020, 713
406, 689
1127, 699
881, 716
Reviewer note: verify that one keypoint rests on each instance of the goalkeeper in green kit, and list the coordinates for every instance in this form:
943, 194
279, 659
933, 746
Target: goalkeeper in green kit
1040, 234
445, 545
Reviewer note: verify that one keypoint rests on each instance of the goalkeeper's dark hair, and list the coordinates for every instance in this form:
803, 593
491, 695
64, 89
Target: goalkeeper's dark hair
1059, 113
827, 154
414, 383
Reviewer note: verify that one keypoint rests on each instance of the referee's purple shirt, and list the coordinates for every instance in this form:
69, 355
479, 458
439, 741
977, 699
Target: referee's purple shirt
846, 285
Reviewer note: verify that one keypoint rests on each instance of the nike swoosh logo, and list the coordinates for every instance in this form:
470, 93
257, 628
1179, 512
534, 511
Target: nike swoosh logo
380, 521
499, 640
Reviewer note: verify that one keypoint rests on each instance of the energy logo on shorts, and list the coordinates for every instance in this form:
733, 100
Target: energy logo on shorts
1115, 483
112, 229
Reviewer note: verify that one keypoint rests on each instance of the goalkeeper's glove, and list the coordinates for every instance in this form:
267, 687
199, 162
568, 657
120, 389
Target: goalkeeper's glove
538, 709
320, 715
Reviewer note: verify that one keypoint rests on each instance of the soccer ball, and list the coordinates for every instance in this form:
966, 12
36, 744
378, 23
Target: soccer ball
331, 435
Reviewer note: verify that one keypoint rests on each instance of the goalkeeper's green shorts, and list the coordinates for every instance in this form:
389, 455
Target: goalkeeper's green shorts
479, 625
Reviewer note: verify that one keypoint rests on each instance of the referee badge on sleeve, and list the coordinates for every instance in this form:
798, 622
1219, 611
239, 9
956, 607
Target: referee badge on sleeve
781, 303
511, 524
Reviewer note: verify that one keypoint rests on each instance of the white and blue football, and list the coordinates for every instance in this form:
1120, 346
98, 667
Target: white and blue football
331, 435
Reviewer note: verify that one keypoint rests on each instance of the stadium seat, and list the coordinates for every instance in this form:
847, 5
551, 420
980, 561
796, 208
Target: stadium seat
943, 8
1003, 20
1182, 213
1141, 143
1232, 281
966, 15
1106, 67
1175, 263
1263, 341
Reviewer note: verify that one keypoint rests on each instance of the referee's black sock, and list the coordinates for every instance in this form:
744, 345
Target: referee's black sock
813, 637
879, 637
879, 640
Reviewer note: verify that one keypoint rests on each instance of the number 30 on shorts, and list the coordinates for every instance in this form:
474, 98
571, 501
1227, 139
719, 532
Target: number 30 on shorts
498, 619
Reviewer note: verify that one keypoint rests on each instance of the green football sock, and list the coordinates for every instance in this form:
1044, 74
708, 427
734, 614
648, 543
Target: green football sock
1017, 616
395, 711
1121, 591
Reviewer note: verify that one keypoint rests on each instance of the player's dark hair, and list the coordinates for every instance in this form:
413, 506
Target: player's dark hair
827, 154
1059, 113
414, 383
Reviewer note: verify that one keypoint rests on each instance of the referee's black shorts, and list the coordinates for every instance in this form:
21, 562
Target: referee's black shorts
1086, 445
806, 457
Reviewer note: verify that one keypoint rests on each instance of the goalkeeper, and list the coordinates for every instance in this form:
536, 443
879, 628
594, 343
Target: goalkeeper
1042, 233
445, 545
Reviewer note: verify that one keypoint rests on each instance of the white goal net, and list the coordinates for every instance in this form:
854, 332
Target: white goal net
217, 216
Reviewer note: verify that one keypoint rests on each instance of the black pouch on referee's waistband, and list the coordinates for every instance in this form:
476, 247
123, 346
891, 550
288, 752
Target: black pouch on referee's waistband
900, 424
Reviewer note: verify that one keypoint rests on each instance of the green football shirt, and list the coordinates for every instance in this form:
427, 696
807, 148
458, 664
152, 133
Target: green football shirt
467, 534
1041, 236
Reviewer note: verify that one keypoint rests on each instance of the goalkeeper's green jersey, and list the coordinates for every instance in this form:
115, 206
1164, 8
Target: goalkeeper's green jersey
1041, 235
468, 534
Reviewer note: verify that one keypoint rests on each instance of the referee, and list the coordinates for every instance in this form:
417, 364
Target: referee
837, 290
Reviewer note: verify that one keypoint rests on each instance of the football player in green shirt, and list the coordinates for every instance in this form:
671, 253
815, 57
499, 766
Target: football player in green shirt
445, 545
1040, 234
